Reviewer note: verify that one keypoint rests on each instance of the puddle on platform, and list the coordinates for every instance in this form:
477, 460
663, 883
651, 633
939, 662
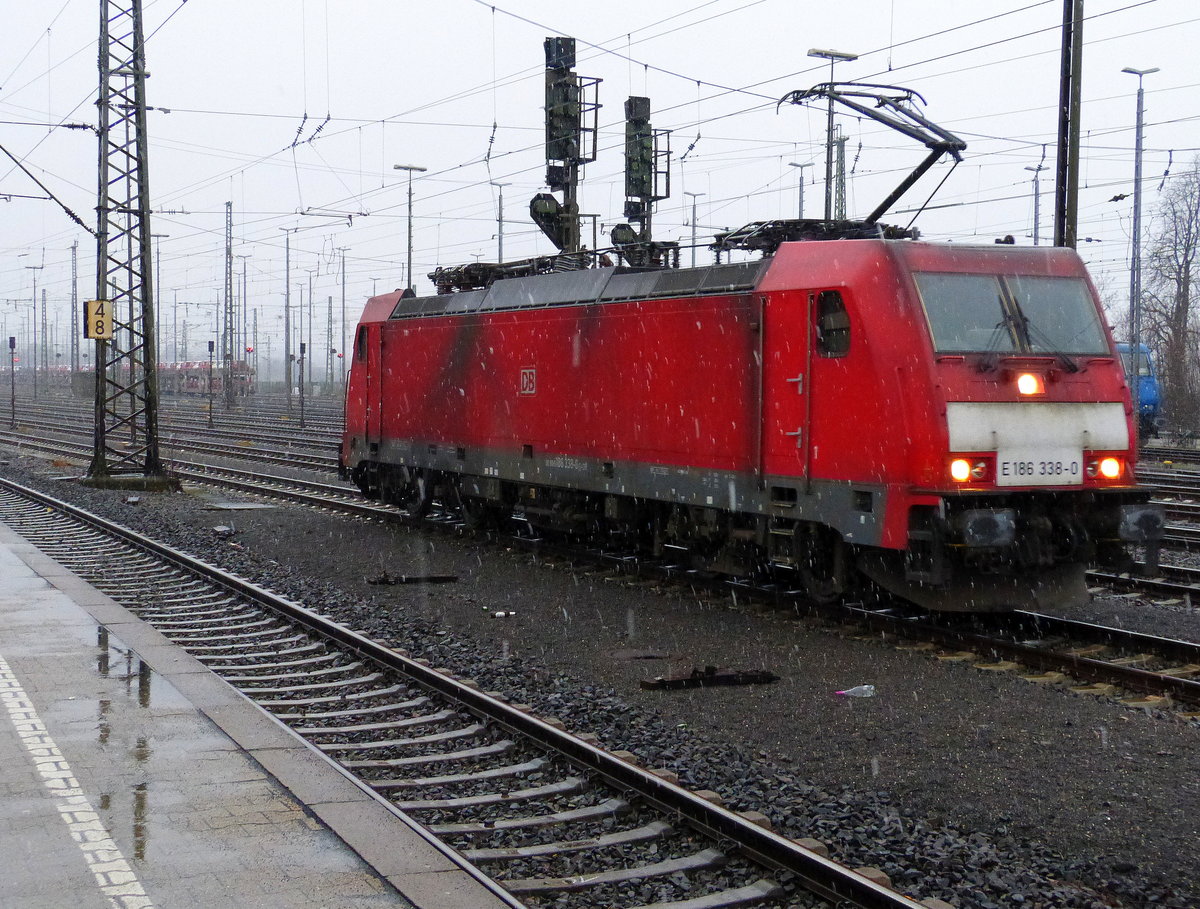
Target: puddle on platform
116, 661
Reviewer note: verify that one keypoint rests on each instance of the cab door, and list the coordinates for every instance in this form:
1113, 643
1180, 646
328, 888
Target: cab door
786, 346
370, 346
837, 402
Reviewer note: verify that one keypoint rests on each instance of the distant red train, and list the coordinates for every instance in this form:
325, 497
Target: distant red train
950, 421
187, 378
192, 378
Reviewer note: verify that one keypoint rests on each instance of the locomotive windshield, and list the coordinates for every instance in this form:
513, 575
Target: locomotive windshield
1010, 314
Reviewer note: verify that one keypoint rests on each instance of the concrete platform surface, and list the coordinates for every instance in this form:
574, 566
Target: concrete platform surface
131, 776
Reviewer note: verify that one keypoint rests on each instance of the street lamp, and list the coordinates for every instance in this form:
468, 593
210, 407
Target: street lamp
1037, 197
499, 221
410, 168
833, 57
157, 290
342, 250
211, 345
1135, 265
694, 195
801, 182
35, 269
12, 382
303, 349
245, 307
287, 314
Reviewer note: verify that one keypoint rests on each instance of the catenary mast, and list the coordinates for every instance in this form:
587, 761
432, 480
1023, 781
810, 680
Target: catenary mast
126, 365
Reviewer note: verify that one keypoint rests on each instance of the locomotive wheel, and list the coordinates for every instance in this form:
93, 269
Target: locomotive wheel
822, 564
480, 514
416, 495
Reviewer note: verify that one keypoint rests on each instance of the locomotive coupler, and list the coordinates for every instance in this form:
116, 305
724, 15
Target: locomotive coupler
987, 526
1144, 524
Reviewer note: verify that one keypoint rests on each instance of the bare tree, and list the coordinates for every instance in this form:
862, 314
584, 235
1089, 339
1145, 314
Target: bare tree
1171, 273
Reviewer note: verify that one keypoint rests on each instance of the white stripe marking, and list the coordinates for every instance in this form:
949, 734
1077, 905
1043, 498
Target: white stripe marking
113, 874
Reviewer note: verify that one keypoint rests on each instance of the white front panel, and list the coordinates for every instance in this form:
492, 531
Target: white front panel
1037, 443
1022, 426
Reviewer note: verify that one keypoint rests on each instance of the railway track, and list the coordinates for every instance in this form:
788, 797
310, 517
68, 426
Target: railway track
1169, 453
1091, 658
193, 413
240, 449
1112, 661
551, 817
331, 496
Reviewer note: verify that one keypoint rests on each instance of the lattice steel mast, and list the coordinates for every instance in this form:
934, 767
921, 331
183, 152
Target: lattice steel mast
126, 366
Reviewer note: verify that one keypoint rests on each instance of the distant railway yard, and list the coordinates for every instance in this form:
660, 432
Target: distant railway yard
677, 735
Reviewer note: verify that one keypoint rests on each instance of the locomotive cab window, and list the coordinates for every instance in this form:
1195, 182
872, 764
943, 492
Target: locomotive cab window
1010, 314
360, 345
966, 313
1058, 314
833, 325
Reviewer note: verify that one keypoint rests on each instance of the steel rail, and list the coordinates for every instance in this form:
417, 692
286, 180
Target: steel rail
821, 876
1074, 665
310, 459
1082, 668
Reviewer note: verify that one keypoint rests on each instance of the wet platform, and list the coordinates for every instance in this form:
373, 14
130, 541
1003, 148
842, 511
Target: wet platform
131, 776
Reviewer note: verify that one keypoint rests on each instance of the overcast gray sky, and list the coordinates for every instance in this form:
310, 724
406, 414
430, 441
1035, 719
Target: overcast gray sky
297, 111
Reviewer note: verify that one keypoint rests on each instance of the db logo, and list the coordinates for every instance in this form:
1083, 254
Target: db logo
529, 381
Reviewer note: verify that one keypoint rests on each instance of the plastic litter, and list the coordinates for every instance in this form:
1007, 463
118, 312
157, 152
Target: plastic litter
858, 691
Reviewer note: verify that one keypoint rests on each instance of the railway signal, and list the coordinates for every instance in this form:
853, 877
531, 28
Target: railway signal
571, 124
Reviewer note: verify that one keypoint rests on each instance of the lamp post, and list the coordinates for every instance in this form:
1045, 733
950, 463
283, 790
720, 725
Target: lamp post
694, 197
342, 349
158, 290
287, 314
12, 382
410, 168
35, 269
245, 307
1037, 198
311, 273
303, 348
500, 221
833, 57
801, 181
1135, 264
211, 345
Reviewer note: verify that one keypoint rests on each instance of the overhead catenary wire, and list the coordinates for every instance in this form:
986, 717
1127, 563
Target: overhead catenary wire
457, 186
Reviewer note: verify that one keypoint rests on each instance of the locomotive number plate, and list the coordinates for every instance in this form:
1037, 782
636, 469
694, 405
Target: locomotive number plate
1039, 467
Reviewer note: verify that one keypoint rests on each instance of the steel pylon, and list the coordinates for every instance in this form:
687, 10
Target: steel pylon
126, 434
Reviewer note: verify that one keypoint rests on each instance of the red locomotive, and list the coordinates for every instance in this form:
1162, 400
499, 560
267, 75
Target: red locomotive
951, 421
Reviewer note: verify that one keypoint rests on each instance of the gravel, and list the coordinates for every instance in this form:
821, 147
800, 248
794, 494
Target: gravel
978, 788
